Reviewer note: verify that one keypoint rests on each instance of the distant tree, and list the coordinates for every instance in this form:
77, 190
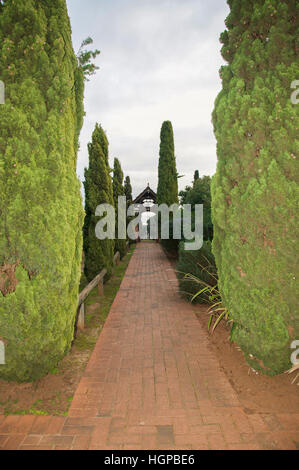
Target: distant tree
128, 190
183, 194
200, 193
118, 190
167, 191
255, 189
196, 176
98, 190
128, 194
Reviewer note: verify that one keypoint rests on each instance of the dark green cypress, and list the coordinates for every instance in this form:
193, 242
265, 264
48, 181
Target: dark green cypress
129, 197
128, 191
98, 254
196, 176
167, 191
40, 202
254, 191
118, 190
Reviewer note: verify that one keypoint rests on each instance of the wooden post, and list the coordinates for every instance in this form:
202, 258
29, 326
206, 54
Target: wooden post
86, 291
80, 321
99, 279
116, 258
101, 287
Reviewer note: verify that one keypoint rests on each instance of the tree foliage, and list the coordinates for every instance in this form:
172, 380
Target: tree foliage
40, 202
128, 191
118, 190
200, 193
129, 197
98, 190
167, 191
85, 59
254, 191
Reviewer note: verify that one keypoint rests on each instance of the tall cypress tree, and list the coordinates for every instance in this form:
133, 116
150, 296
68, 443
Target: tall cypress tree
254, 191
98, 190
128, 191
40, 202
118, 190
196, 176
129, 197
167, 191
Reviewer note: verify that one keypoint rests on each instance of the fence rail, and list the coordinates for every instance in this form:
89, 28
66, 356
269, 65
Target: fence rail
116, 258
97, 281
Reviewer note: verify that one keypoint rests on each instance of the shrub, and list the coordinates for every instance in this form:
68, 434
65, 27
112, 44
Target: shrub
98, 190
201, 265
118, 190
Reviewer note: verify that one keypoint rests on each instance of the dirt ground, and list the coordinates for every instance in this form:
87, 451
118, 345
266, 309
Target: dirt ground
53, 393
257, 392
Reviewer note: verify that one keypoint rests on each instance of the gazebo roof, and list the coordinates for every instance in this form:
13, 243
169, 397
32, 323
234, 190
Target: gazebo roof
147, 193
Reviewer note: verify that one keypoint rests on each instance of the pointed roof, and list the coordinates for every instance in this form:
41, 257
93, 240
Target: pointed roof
147, 193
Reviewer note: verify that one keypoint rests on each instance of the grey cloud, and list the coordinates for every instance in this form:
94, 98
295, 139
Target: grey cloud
159, 60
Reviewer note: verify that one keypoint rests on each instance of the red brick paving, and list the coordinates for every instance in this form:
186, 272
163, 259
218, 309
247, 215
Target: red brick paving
152, 382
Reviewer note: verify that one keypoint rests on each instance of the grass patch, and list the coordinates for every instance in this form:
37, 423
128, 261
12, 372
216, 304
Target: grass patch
84, 341
95, 317
97, 307
11, 408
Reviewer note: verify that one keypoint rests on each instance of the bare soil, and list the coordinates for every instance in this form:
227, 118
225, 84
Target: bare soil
258, 393
51, 394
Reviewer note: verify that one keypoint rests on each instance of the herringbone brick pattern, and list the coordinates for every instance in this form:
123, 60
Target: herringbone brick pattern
152, 381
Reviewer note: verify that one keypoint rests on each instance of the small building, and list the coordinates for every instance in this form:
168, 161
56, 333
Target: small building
147, 198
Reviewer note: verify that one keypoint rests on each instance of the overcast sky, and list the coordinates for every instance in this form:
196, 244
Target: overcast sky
159, 61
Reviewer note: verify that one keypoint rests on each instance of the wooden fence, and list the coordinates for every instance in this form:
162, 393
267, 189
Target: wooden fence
97, 281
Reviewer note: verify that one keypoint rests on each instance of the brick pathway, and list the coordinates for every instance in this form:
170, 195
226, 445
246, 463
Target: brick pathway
152, 382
